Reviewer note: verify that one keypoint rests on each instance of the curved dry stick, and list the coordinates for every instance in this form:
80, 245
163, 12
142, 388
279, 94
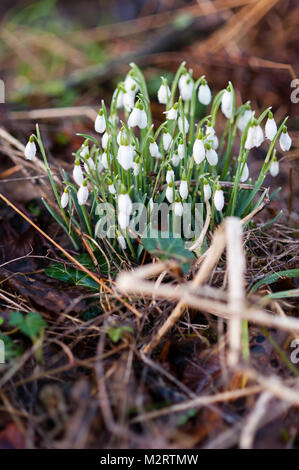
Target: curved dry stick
201, 237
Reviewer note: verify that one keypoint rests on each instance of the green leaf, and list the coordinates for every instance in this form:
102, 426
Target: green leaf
271, 278
30, 324
283, 294
71, 275
115, 333
165, 246
1, 321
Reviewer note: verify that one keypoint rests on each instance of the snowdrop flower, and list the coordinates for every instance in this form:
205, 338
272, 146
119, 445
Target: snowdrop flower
128, 101
169, 193
163, 92
136, 168
89, 164
199, 151
151, 205
125, 155
84, 151
207, 190
130, 85
105, 161
178, 208
121, 240
175, 159
244, 119
167, 140
30, 149
183, 189
100, 122
154, 149
100, 165
186, 124
211, 135
181, 149
82, 194
172, 114
120, 97
218, 198
255, 136
211, 156
204, 93
64, 198
227, 104
270, 127
138, 117
104, 140
245, 173
285, 140
124, 203
274, 168
169, 175
186, 86
123, 220
78, 173
111, 187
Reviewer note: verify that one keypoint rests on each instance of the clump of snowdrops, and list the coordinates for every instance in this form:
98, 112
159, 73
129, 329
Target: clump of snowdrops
181, 161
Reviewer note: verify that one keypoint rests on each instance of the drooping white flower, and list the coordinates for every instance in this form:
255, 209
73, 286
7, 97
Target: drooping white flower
122, 242
84, 151
104, 140
125, 156
82, 194
64, 198
78, 173
183, 189
245, 173
218, 199
186, 124
211, 136
163, 93
199, 151
120, 97
169, 175
138, 117
100, 166
178, 208
105, 161
169, 193
255, 137
100, 122
123, 220
136, 168
244, 119
89, 164
175, 159
111, 188
207, 192
124, 204
270, 128
274, 168
181, 150
172, 114
186, 86
167, 140
30, 149
131, 85
204, 94
285, 140
154, 150
227, 104
212, 156
128, 101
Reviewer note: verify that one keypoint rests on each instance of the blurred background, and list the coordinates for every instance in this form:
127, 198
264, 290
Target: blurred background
68, 54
